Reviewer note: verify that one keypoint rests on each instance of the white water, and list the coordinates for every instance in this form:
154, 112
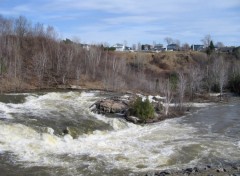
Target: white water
167, 144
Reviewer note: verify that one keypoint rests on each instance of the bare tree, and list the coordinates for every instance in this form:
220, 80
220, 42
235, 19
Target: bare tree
40, 61
168, 40
112, 74
16, 59
22, 26
235, 69
219, 45
94, 56
185, 47
6, 26
222, 71
207, 78
181, 87
67, 64
206, 40
168, 94
195, 77
234, 76
38, 30
217, 74
51, 33
177, 42
59, 59
78, 73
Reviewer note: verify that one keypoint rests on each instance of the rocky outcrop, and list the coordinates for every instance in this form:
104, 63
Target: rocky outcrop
232, 170
115, 105
111, 105
132, 119
120, 106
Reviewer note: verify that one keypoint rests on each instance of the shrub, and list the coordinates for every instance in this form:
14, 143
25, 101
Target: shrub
234, 84
142, 109
173, 78
158, 62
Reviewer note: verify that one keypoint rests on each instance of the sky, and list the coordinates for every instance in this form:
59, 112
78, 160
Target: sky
133, 21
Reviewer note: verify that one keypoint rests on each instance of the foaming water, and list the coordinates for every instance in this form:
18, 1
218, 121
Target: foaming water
101, 145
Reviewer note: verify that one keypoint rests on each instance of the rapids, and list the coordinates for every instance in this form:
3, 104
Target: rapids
32, 140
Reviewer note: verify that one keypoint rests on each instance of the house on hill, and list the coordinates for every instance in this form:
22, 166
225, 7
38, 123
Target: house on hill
226, 49
197, 47
158, 48
146, 47
121, 47
86, 46
172, 47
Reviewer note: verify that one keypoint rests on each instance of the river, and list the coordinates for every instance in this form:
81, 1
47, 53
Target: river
32, 140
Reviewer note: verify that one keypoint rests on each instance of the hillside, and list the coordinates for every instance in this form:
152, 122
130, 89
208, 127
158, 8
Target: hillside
31, 57
34, 62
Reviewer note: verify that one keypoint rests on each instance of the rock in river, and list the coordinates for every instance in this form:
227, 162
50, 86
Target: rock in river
113, 105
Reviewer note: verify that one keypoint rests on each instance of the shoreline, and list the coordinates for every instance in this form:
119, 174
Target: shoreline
231, 169
173, 113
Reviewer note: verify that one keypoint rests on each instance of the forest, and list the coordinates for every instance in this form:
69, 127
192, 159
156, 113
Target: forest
33, 57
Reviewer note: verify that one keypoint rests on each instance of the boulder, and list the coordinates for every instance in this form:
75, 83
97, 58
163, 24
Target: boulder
132, 119
72, 131
163, 173
105, 106
118, 107
112, 105
221, 170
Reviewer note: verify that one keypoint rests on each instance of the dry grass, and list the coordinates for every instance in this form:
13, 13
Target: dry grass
14, 85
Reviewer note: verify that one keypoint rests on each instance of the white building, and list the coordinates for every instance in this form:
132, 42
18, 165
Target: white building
119, 47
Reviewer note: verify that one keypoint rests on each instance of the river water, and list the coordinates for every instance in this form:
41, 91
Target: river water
32, 140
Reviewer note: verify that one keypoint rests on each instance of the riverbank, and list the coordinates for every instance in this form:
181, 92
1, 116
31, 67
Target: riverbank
121, 106
198, 101
208, 170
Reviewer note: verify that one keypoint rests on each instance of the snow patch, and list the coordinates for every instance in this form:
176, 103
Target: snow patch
214, 94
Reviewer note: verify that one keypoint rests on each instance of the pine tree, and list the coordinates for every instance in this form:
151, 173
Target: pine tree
210, 48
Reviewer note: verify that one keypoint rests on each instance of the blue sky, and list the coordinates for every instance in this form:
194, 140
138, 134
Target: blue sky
99, 21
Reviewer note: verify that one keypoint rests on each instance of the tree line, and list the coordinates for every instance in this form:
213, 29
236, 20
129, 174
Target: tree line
33, 56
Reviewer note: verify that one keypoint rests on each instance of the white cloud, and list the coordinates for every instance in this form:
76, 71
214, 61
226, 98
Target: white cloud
130, 19
22, 8
123, 6
224, 4
143, 7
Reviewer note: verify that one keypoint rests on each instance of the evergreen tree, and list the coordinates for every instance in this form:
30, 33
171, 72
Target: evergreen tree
210, 48
142, 109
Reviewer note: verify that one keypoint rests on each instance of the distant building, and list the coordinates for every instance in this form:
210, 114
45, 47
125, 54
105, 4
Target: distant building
226, 49
128, 48
197, 47
85, 46
158, 48
118, 47
146, 47
121, 47
172, 47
